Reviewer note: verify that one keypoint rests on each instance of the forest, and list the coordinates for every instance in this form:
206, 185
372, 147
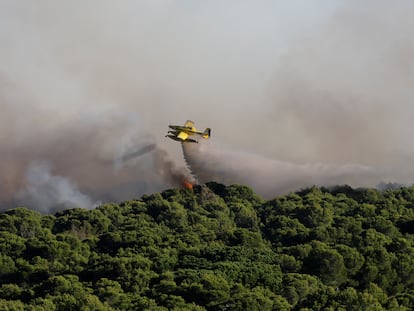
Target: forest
215, 247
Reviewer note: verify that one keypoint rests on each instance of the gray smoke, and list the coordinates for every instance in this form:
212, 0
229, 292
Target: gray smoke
269, 177
47, 192
163, 166
135, 153
172, 174
82, 84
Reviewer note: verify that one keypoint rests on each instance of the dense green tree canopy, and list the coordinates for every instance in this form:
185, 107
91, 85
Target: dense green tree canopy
215, 248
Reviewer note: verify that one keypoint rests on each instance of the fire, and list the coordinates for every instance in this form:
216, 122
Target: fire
186, 184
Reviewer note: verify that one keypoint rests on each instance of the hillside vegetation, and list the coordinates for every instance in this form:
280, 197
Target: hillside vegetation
214, 248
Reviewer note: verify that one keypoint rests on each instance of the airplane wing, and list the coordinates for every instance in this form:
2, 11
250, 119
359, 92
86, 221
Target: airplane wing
189, 123
183, 136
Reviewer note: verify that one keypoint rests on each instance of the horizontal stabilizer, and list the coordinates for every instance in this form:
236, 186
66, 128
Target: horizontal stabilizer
207, 133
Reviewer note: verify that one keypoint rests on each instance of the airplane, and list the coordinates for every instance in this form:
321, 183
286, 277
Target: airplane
182, 133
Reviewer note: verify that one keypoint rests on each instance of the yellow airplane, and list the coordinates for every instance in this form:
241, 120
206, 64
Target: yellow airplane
182, 133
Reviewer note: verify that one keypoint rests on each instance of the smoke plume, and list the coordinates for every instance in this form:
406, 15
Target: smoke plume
293, 83
168, 170
269, 177
48, 192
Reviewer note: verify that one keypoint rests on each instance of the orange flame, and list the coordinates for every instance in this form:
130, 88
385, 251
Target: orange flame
186, 184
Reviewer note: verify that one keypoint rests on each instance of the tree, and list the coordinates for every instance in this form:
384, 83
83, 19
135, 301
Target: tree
326, 263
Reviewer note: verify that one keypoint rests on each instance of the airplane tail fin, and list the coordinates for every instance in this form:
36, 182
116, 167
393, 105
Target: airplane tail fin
207, 133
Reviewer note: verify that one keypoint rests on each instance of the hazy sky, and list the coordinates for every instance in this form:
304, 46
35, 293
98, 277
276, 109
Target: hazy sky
84, 82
